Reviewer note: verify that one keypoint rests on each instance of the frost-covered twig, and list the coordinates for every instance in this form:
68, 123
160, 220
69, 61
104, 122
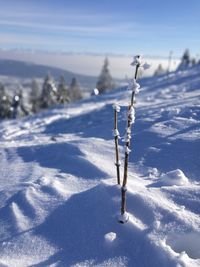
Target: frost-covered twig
134, 86
116, 136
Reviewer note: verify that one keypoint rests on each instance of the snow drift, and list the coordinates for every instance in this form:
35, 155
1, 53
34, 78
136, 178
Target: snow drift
59, 200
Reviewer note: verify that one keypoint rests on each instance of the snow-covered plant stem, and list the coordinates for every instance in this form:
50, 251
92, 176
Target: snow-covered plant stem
134, 86
116, 136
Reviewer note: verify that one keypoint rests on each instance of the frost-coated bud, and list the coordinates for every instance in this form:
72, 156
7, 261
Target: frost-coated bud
128, 130
131, 111
128, 138
137, 60
124, 188
131, 114
127, 150
116, 107
118, 163
134, 86
123, 218
115, 132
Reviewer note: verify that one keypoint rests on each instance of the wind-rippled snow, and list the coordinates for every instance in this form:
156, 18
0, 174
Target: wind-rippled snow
59, 202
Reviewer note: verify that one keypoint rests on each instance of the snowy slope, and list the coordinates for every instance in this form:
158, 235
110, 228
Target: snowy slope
58, 195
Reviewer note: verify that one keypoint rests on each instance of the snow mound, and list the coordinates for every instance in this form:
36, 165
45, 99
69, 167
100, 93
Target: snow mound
110, 237
175, 177
186, 242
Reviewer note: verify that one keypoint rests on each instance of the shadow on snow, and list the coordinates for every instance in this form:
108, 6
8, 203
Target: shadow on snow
65, 157
79, 233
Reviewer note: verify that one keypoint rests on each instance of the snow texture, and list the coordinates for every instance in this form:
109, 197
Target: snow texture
59, 202
176, 177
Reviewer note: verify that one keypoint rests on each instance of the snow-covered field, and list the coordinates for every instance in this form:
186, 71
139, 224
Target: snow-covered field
59, 200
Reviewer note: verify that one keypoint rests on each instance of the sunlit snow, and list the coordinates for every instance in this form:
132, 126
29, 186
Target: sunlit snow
59, 202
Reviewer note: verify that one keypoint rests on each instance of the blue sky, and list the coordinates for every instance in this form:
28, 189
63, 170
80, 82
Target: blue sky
77, 34
151, 27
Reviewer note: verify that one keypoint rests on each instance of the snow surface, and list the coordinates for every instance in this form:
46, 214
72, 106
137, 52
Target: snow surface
59, 202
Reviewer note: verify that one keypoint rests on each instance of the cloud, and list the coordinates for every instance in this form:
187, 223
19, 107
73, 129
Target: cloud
73, 15
74, 30
88, 64
19, 39
85, 29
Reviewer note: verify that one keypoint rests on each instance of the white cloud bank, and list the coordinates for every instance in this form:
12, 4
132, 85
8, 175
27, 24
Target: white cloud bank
88, 64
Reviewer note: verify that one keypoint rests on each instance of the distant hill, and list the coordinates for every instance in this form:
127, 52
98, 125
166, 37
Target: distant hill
21, 69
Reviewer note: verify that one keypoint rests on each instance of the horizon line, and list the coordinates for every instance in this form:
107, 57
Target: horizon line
87, 53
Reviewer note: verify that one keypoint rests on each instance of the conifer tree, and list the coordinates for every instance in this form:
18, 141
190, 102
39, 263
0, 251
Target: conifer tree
48, 95
62, 92
185, 60
159, 70
105, 81
5, 104
186, 57
193, 61
22, 105
35, 97
74, 90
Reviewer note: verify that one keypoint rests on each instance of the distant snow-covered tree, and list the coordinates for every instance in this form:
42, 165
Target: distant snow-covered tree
193, 61
185, 60
48, 95
74, 90
159, 70
5, 103
22, 104
105, 81
63, 91
186, 57
35, 96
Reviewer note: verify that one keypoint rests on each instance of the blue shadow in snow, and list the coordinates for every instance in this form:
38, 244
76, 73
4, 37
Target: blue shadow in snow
78, 227
170, 82
65, 157
89, 124
178, 154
